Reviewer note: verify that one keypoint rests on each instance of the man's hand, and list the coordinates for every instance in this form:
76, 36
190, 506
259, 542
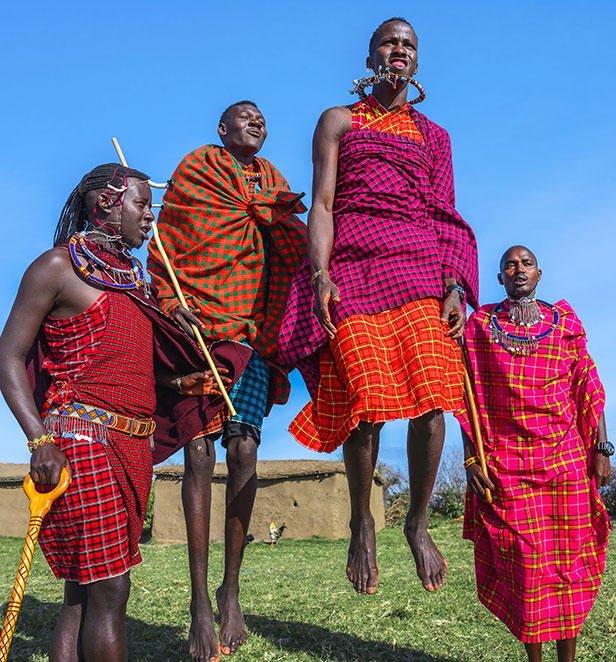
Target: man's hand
187, 316
478, 481
203, 383
452, 313
324, 292
46, 464
600, 468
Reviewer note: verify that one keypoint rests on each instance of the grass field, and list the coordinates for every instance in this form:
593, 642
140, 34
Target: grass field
299, 606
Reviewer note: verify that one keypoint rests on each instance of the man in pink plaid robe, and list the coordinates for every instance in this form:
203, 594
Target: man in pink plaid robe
540, 545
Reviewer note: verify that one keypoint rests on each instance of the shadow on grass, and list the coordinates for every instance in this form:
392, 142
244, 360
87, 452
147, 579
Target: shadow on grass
292, 636
165, 643
146, 642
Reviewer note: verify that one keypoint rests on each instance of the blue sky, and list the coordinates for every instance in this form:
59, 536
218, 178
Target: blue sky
524, 88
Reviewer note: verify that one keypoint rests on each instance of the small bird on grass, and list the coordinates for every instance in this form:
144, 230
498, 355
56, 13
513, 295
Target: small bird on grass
276, 533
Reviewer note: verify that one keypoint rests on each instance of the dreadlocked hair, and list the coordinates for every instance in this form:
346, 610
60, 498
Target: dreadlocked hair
74, 216
227, 111
375, 34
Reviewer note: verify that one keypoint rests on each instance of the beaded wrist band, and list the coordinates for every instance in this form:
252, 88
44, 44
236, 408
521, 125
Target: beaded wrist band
316, 274
471, 460
43, 439
178, 384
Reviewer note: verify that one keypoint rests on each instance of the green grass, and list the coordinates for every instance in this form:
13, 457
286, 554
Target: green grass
299, 606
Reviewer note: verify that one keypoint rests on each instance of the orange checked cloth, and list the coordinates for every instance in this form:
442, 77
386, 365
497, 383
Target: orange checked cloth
393, 365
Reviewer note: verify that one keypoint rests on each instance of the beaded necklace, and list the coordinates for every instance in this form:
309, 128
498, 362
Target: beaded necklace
117, 278
518, 344
252, 177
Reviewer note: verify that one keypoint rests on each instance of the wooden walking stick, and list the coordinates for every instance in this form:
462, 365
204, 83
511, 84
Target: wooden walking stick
40, 503
475, 420
180, 296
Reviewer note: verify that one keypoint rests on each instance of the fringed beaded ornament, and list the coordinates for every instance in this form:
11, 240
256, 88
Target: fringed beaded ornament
524, 313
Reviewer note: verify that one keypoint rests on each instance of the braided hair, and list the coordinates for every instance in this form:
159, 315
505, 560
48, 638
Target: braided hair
375, 34
74, 216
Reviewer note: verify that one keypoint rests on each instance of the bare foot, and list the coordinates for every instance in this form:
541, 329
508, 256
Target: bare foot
233, 632
431, 566
202, 640
361, 564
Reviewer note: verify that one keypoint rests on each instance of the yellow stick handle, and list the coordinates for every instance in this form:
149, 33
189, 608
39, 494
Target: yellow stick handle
475, 420
40, 503
180, 296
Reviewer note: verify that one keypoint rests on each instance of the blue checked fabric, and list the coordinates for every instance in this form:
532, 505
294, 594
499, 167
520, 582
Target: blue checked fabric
249, 395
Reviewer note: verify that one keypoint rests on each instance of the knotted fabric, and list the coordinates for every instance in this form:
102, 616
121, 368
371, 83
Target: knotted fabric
213, 229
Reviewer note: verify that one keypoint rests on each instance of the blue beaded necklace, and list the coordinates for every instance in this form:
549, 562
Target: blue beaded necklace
518, 344
120, 278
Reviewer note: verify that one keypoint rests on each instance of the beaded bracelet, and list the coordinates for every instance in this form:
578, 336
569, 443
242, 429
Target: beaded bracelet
316, 274
178, 384
471, 460
46, 438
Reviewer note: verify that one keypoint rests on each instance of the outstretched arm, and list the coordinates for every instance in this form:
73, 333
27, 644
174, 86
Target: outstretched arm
40, 288
333, 124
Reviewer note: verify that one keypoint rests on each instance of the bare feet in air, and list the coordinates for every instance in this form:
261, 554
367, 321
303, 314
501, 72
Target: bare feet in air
233, 632
202, 640
431, 566
361, 564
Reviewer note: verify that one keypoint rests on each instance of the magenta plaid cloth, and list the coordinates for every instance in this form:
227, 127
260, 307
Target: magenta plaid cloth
540, 547
397, 235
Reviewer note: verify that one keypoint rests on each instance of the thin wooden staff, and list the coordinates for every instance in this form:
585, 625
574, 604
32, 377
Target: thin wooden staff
180, 296
475, 420
40, 503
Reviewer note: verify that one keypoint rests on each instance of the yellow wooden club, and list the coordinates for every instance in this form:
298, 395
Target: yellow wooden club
40, 503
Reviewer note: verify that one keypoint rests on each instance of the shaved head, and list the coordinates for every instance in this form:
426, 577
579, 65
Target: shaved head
519, 272
513, 249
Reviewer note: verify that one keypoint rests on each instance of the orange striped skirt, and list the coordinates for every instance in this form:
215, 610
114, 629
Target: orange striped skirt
393, 365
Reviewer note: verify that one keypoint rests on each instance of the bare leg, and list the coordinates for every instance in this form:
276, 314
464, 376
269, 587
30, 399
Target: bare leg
66, 638
199, 460
534, 652
566, 649
424, 446
104, 626
240, 498
360, 454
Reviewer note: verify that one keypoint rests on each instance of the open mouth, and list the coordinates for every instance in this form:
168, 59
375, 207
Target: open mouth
255, 133
398, 63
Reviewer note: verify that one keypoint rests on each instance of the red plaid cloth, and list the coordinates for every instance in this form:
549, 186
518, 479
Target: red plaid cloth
396, 236
374, 117
119, 377
396, 364
540, 547
91, 534
209, 226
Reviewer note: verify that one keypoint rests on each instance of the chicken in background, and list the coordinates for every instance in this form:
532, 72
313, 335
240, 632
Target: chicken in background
276, 533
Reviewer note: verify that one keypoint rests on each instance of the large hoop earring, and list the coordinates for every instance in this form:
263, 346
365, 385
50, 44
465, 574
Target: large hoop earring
422, 94
360, 84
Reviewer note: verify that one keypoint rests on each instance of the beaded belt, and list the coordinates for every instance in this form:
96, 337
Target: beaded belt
136, 427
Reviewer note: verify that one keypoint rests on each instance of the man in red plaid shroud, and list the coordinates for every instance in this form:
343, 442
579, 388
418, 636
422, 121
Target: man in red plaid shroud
540, 545
96, 334
373, 316
230, 228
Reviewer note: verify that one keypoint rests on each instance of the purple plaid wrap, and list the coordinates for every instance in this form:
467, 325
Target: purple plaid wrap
396, 236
